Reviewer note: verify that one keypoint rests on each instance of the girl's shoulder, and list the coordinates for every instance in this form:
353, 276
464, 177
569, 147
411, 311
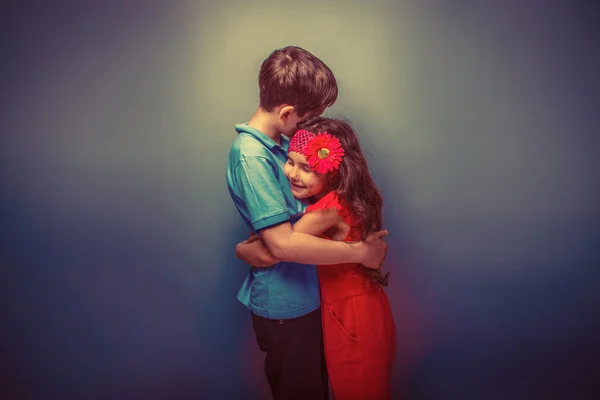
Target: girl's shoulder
331, 200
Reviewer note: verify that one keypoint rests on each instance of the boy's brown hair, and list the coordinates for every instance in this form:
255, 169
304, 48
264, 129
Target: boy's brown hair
296, 77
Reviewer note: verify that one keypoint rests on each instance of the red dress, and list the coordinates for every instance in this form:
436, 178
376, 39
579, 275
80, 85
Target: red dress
358, 327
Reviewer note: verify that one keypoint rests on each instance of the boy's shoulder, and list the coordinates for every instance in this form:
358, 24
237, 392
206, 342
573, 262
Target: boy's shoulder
249, 144
246, 145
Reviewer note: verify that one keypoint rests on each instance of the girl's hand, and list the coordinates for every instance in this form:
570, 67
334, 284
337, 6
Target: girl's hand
254, 251
253, 237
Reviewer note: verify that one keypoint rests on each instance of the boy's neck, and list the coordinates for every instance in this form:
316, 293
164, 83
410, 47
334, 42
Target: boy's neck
266, 122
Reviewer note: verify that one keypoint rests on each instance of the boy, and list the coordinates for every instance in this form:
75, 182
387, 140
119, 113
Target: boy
284, 299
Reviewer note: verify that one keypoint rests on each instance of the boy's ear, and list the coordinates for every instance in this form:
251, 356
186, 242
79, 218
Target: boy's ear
285, 112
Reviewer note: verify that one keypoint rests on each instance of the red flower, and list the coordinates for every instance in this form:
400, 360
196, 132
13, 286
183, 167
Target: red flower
324, 153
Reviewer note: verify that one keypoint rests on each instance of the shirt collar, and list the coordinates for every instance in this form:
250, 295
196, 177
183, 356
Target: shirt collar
264, 139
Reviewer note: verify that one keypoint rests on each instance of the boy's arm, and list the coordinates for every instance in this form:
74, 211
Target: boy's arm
286, 244
254, 252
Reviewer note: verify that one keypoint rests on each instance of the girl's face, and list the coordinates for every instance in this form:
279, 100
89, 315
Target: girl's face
304, 182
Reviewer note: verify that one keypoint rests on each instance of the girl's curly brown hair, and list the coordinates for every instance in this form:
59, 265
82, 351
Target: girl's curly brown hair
352, 181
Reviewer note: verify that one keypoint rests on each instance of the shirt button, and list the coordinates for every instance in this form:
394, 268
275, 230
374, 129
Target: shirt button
280, 322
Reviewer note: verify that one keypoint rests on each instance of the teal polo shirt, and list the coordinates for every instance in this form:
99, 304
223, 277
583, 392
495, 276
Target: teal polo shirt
261, 193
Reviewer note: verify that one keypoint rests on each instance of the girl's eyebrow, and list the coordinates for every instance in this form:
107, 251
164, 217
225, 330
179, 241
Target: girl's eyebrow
299, 162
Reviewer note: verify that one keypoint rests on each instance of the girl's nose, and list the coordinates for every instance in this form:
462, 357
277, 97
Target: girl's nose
294, 174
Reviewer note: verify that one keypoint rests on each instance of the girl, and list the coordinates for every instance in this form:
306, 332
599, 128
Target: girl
327, 168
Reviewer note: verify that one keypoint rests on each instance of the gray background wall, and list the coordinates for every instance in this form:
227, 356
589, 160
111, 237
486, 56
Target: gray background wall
118, 274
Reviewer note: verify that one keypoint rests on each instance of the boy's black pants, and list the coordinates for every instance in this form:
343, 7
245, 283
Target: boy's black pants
295, 360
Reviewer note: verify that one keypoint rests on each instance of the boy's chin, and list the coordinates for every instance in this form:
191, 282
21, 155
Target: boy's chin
289, 131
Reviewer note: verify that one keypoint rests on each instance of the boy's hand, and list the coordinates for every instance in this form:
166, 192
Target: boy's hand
375, 250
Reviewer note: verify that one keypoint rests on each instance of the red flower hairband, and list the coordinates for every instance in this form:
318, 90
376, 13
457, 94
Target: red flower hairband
323, 151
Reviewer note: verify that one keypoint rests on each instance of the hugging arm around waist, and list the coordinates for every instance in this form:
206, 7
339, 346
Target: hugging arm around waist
298, 243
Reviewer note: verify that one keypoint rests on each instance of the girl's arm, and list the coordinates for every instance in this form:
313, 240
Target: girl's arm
314, 223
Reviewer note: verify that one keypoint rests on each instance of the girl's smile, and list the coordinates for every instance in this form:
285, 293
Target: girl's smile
304, 182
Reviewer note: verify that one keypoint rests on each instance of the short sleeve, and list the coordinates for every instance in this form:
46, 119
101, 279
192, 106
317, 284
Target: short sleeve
261, 192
